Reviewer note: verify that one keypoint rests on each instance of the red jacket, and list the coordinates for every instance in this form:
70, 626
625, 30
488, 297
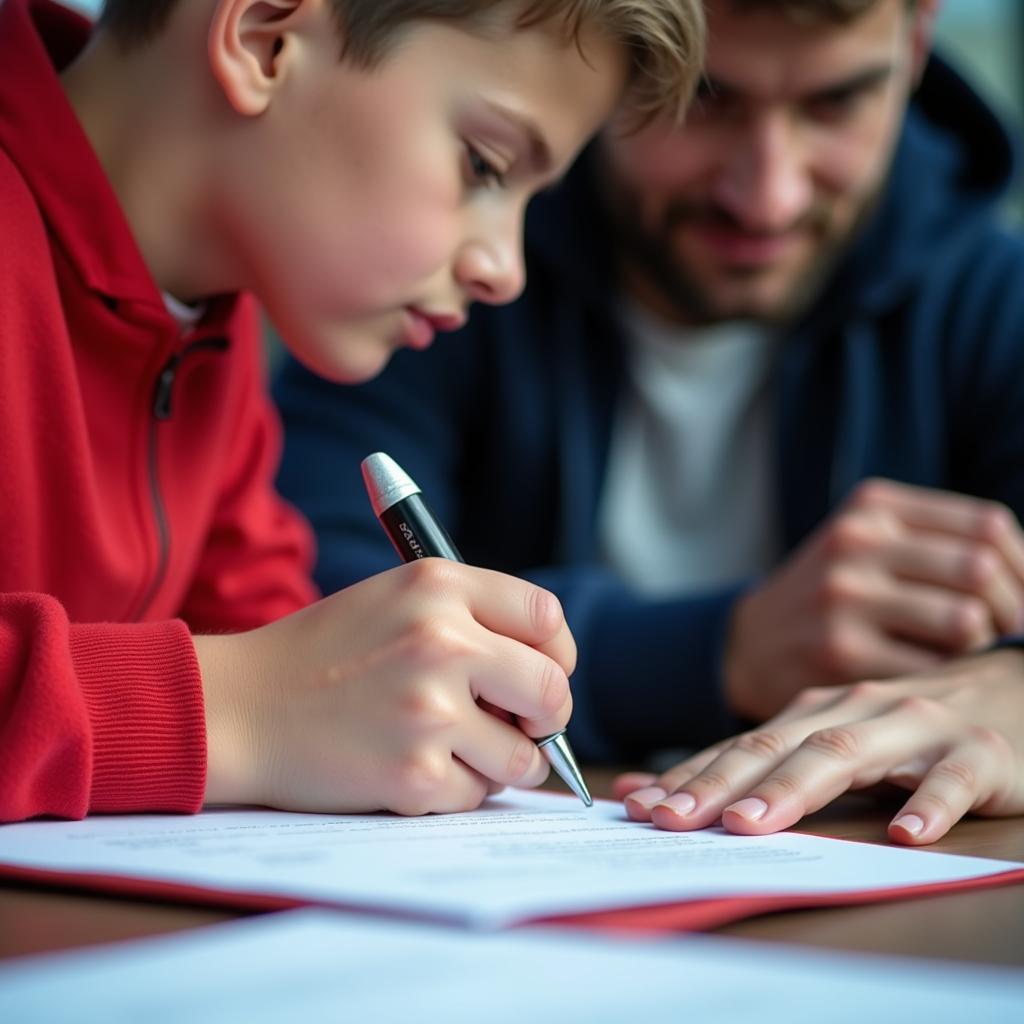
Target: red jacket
136, 466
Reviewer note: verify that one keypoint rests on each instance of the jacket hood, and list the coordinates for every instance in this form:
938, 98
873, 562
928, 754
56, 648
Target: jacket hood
953, 164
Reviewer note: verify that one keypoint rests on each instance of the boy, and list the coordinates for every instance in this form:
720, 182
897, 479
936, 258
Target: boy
191, 151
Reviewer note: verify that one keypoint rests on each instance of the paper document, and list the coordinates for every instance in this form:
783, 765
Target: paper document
520, 857
323, 966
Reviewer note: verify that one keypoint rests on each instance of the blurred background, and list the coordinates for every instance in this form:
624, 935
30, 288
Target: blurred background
985, 39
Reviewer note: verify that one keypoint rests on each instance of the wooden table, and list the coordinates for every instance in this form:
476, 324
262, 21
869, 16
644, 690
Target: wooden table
986, 926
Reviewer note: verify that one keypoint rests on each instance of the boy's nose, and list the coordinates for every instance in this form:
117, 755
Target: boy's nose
492, 270
764, 182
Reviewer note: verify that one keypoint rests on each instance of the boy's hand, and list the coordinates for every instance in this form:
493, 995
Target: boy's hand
899, 580
955, 737
375, 698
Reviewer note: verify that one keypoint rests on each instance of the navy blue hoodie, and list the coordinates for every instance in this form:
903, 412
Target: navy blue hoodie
909, 367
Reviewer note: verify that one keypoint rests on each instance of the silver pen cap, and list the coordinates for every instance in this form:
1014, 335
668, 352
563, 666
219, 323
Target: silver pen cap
386, 482
560, 756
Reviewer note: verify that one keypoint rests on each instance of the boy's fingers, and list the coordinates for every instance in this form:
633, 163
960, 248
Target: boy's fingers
501, 603
521, 680
437, 785
492, 709
562, 649
518, 609
501, 753
523, 612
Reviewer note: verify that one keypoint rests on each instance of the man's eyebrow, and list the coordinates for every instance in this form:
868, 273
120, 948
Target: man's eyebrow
541, 160
861, 81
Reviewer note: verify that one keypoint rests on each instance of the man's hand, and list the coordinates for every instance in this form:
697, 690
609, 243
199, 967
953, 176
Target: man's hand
954, 737
394, 694
899, 580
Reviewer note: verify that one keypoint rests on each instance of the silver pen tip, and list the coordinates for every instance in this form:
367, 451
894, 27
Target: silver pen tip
560, 756
386, 482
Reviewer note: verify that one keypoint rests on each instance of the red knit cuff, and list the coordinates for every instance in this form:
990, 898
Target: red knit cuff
144, 694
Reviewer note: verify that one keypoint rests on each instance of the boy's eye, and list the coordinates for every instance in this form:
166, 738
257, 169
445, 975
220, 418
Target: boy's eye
481, 170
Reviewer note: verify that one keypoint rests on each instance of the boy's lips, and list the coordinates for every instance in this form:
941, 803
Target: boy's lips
422, 326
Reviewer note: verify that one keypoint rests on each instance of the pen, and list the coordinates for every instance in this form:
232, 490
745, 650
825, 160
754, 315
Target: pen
416, 533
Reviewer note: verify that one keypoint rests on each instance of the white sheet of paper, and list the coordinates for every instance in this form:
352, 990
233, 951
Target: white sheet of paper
323, 966
521, 856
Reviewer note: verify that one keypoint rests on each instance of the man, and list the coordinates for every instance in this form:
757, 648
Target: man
756, 419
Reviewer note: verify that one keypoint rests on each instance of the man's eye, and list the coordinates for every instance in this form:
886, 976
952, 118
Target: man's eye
712, 100
481, 170
705, 90
836, 107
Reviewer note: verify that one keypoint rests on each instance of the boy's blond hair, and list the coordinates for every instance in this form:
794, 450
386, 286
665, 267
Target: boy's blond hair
815, 10
665, 38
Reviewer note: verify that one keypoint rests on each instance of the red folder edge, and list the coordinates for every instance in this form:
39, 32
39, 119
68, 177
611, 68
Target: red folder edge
694, 915
703, 915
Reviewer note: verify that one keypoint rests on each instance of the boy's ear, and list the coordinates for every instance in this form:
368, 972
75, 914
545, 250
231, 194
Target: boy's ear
249, 43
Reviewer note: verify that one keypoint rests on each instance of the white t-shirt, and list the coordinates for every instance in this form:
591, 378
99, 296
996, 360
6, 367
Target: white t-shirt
689, 499
186, 316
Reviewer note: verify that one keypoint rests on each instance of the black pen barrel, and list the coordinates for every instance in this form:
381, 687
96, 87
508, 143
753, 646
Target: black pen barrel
416, 532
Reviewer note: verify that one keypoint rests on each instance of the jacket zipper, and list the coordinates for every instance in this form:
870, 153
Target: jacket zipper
162, 409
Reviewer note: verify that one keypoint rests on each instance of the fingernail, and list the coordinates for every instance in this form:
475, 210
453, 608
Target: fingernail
680, 803
752, 808
910, 823
648, 797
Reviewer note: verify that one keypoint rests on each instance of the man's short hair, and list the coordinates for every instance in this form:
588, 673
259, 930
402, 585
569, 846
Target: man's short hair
664, 37
840, 11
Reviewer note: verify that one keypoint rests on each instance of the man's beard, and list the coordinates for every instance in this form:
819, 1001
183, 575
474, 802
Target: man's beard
648, 258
